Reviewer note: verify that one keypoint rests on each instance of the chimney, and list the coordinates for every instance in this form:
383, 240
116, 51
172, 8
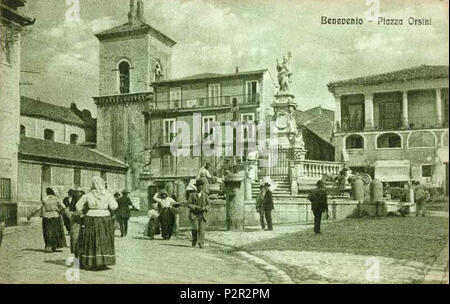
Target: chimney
136, 12
237, 70
140, 11
131, 13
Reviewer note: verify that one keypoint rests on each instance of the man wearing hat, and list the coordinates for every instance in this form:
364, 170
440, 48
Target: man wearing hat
268, 205
420, 197
260, 206
319, 204
198, 204
123, 212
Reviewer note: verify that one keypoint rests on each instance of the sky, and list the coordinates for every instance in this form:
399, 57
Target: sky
60, 55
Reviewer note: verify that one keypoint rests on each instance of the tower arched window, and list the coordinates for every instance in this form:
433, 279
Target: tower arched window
22, 130
124, 77
158, 71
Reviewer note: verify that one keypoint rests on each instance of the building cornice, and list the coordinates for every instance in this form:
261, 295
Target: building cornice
393, 86
343, 134
123, 98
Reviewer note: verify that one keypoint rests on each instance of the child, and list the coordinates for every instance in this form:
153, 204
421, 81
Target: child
153, 224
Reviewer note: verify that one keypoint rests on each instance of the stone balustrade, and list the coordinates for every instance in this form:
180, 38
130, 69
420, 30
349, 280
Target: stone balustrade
316, 169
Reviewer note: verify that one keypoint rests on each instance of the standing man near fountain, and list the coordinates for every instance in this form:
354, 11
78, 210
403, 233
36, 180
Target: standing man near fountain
198, 204
268, 206
319, 204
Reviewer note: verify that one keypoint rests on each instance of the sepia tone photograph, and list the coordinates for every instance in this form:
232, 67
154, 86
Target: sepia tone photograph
224, 142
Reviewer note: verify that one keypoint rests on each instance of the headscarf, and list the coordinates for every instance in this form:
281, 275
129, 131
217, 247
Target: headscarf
98, 187
56, 191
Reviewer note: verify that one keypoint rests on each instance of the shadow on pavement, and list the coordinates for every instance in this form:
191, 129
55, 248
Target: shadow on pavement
142, 238
34, 250
175, 245
57, 262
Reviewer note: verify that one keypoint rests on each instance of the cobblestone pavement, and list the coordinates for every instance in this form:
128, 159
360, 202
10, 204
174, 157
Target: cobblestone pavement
327, 267
139, 260
252, 234
336, 267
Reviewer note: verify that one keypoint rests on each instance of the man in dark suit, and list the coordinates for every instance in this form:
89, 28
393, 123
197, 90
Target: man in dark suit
198, 204
319, 204
123, 212
67, 201
268, 206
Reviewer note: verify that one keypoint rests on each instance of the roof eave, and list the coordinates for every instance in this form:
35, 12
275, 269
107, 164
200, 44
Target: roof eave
81, 124
181, 80
52, 159
15, 16
136, 31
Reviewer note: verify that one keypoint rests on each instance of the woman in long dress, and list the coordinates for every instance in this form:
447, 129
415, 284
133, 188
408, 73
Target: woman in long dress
204, 176
153, 227
96, 248
166, 214
52, 225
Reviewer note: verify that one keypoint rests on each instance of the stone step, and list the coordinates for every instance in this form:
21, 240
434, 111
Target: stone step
276, 189
282, 183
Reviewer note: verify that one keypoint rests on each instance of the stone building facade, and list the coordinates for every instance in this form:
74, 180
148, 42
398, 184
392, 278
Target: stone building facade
48, 121
53, 152
139, 101
397, 116
44, 163
132, 56
200, 102
12, 23
211, 98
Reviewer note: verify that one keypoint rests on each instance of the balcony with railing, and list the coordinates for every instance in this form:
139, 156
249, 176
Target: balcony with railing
349, 125
219, 101
394, 123
317, 169
426, 122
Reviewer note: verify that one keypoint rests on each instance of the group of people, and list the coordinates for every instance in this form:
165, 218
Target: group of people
88, 217
421, 197
162, 218
317, 197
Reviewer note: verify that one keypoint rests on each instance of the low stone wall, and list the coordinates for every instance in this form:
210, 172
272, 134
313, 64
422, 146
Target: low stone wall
289, 210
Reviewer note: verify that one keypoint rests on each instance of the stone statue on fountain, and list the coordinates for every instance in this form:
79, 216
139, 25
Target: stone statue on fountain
284, 74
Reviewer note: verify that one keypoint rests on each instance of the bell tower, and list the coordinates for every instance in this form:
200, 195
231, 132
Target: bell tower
131, 57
